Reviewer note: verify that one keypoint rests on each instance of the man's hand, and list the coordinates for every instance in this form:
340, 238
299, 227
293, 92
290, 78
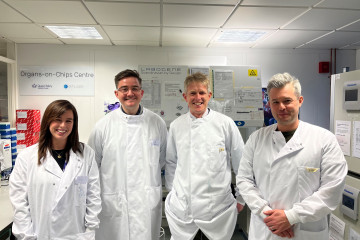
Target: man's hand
278, 223
239, 207
288, 233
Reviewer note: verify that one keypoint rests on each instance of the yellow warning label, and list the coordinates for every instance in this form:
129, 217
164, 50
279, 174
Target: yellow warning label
252, 72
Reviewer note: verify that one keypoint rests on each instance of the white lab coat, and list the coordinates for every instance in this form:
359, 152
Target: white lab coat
198, 173
304, 176
130, 151
52, 204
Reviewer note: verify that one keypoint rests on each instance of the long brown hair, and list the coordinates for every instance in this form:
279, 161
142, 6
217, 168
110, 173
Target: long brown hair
52, 112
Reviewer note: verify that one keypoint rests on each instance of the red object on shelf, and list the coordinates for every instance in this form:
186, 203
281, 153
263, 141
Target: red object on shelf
27, 126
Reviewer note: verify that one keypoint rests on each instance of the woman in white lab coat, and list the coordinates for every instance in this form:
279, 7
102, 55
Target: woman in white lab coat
54, 187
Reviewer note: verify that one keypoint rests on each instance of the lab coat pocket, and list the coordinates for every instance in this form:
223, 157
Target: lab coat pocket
314, 230
112, 204
219, 203
80, 190
309, 181
317, 226
257, 229
217, 157
154, 194
177, 205
154, 152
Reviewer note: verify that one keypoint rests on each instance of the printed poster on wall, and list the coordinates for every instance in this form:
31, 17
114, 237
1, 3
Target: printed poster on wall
168, 81
238, 89
342, 133
56, 81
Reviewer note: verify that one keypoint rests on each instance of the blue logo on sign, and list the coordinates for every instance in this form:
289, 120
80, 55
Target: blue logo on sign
239, 123
66, 86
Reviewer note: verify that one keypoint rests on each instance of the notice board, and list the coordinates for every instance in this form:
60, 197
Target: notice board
236, 91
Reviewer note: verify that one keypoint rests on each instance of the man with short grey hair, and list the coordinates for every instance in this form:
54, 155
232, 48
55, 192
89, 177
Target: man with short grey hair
292, 173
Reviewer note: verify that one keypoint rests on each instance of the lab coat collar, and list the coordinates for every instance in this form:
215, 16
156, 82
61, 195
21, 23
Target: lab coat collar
139, 111
130, 118
293, 145
51, 165
205, 116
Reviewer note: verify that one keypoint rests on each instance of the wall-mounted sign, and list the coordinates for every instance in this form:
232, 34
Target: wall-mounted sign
53, 81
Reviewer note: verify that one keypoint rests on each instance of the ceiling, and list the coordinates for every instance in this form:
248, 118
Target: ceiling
315, 24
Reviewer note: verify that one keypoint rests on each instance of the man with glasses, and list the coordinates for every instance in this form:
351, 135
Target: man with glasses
130, 146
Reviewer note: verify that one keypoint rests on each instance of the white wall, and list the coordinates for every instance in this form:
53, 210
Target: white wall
107, 61
357, 59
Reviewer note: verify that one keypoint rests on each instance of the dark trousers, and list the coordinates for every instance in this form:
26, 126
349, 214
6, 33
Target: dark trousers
200, 236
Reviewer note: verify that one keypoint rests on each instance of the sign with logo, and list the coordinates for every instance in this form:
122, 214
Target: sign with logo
52, 81
252, 72
239, 123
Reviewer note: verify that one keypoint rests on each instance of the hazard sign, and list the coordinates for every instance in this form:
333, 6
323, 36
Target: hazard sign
252, 72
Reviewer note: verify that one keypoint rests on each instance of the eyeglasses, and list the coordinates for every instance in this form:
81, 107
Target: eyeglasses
125, 90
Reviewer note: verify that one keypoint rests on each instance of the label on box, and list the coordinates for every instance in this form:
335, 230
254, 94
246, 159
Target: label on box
21, 136
21, 126
21, 146
5, 148
21, 114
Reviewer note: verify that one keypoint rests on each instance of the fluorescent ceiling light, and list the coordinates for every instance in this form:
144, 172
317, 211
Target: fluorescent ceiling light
75, 32
239, 36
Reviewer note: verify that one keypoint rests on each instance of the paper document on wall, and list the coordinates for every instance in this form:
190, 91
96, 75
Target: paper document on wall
173, 90
163, 88
248, 97
248, 104
152, 94
223, 83
336, 228
203, 70
342, 133
356, 139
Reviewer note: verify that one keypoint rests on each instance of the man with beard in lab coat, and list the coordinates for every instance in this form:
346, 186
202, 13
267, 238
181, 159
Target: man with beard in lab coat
292, 173
202, 146
130, 147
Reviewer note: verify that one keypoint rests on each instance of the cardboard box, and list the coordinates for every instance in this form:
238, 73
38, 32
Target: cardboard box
28, 126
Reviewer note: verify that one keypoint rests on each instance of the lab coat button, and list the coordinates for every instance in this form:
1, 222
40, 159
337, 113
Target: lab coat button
54, 184
290, 148
65, 187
